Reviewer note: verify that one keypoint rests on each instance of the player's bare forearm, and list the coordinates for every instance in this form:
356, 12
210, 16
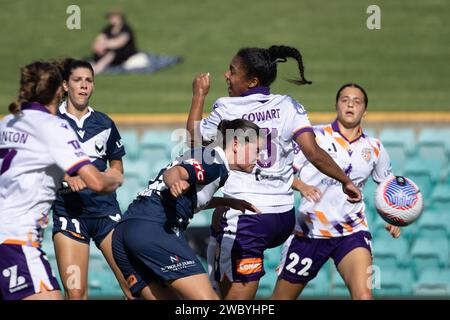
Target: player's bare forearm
200, 89
216, 202
326, 165
298, 184
237, 204
174, 175
195, 116
116, 164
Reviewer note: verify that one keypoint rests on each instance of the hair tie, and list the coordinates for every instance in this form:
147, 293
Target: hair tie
279, 60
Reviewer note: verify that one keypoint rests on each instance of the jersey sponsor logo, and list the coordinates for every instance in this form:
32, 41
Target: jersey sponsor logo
366, 154
116, 218
119, 143
199, 171
16, 282
177, 264
249, 265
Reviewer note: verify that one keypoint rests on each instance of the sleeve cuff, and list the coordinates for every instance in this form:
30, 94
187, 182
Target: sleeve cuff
302, 130
77, 166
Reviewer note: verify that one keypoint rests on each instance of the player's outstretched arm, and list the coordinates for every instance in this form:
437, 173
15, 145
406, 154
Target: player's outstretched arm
325, 164
100, 182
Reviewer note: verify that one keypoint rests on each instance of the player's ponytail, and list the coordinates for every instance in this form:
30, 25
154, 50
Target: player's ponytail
262, 63
281, 53
39, 82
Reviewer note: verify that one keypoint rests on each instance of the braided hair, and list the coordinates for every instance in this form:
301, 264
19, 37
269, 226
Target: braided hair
262, 63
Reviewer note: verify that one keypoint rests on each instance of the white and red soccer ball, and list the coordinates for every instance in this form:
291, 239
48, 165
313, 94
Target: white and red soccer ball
398, 201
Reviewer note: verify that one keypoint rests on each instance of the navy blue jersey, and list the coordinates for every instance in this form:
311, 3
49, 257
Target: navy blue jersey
208, 170
101, 141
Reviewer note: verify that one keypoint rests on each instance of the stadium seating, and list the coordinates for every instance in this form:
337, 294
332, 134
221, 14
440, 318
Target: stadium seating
390, 253
320, 285
433, 282
338, 287
426, 253
425, 173
272, 257
267, 283
393, 282
440, 198
400, 144
156, 146
433, 143
131, 142
431, 226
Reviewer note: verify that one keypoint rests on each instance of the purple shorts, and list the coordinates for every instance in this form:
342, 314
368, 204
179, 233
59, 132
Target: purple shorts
243, 238
303, 257
24, 271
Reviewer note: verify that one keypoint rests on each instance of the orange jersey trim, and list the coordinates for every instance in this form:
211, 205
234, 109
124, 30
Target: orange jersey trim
35, 244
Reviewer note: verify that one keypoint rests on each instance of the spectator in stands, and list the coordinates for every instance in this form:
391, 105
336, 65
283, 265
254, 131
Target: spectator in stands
115, 44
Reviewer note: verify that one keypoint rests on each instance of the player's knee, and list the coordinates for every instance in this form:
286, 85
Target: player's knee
362, 295
76, 294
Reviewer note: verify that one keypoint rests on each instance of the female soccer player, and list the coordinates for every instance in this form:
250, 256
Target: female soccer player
328, 226
244, 237
149, 245
36, 148
80, 214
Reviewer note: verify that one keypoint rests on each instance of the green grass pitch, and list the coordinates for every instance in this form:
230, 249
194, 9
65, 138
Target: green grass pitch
404, 66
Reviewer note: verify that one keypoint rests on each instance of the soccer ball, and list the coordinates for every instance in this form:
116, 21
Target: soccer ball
398, 201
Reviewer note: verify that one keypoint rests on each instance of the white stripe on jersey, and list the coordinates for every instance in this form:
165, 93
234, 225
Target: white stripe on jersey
284, 252
36, 268
229, 235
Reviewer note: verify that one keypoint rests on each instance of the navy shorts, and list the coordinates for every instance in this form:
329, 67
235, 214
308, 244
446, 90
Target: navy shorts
148, 251
84, 229
302, 257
